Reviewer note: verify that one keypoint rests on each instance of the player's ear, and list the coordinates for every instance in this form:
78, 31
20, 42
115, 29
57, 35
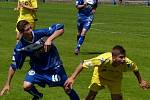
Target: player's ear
114, 58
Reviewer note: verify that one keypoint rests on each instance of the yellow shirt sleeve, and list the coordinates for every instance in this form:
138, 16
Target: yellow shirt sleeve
97, 61
130, 65
91, 63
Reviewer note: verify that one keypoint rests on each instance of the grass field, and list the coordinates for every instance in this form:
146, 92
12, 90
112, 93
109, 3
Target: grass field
125, 25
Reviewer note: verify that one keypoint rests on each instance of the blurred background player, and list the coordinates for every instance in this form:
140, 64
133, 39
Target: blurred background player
46, 66
86, 10
108, 71
27, 11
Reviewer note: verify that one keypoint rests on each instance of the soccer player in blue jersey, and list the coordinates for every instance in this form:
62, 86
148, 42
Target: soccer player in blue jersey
46, 66
86, 10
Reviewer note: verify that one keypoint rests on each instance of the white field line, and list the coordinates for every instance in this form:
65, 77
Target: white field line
136, 34
118, 23
98, 23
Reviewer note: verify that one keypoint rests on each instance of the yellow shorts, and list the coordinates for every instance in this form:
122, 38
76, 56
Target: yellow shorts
98, 83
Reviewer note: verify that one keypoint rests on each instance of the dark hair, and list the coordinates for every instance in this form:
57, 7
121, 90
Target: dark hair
21, 25
117, 50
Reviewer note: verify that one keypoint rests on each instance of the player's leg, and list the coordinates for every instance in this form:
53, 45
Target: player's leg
95, 86
78, 35
79, 27
72, 94
116, 97
115, 89
33, 78
59, 79
91, 95
86, 26
28, 87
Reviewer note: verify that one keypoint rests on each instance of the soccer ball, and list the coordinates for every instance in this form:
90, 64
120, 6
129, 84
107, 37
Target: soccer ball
90, 1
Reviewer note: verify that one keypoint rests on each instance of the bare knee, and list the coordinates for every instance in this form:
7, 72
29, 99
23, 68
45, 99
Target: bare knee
84, 31
116, 96
27, 85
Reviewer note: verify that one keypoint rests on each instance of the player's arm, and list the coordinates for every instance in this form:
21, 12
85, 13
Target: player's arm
17, 62
143, 84
57, 30
85, 64
69, 82
132, 66
6, 87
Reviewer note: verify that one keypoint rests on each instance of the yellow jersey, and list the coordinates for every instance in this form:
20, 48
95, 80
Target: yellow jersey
26, 14
105, 68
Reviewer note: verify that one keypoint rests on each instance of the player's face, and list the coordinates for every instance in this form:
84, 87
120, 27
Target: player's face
28, 29
119, 59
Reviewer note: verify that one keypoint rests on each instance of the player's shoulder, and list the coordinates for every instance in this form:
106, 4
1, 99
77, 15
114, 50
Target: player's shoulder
105, 55
127, 60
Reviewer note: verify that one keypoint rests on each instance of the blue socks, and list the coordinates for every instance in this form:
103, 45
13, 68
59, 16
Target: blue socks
73, 95
33, 91
80, 41
78, 36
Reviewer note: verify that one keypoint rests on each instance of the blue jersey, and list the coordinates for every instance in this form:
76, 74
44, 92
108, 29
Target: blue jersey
86, 11
39, 60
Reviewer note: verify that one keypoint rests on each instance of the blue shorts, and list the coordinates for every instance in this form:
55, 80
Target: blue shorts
84, 22
56, 77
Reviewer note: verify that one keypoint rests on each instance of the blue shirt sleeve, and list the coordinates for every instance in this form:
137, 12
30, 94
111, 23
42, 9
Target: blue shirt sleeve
48, 31
17, 59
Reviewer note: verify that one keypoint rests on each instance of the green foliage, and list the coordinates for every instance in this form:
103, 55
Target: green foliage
124, 25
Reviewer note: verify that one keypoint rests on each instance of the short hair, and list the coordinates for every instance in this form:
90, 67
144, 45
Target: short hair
117, 50
21, 25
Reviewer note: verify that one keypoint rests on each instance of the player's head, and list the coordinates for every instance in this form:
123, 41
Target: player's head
118, 54
24, 26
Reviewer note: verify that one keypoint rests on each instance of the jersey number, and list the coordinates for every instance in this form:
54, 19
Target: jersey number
56, 78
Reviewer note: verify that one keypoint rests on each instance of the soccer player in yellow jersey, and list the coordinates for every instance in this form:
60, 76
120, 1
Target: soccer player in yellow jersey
27, 10
108, 71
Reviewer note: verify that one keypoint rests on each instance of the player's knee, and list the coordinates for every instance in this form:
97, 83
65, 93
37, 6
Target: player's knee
27, 85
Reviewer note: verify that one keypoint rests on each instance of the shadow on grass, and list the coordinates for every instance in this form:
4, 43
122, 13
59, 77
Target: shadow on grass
91, 52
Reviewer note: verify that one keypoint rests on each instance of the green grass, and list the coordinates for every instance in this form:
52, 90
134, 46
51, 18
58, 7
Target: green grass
124, 25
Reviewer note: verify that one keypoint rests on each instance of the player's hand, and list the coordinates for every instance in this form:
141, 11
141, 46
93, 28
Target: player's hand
47, 45
69, 82
5, 90
144, 84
